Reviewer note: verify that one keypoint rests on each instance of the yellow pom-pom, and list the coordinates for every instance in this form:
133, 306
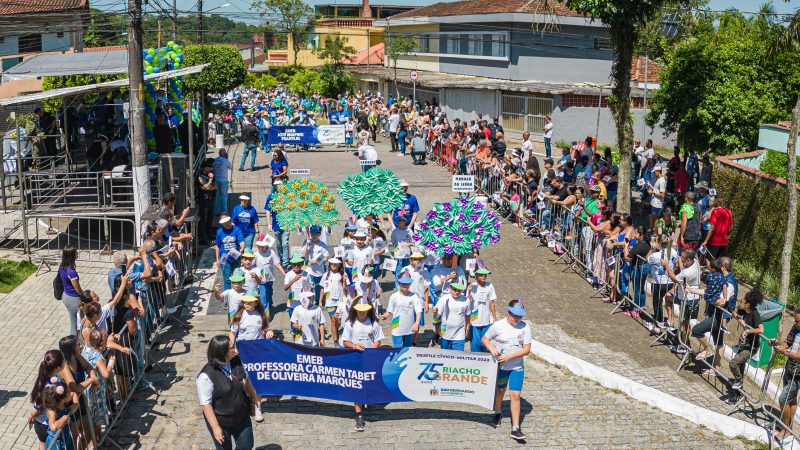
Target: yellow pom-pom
304, 181
312, 187
283, 189
324, 190
316, 199
295, 185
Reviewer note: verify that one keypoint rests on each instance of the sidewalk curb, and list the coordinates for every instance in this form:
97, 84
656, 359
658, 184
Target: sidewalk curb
714, 421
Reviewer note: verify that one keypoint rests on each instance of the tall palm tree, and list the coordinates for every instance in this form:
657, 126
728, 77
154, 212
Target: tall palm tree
790, 40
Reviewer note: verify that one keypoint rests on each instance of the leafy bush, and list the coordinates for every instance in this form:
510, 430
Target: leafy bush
286, 73
13, 273
226, 70
749, 273
261, 82
775, 164
759, 223
306, 82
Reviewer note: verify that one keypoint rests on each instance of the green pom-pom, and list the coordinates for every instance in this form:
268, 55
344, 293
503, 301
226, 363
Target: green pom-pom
376, 191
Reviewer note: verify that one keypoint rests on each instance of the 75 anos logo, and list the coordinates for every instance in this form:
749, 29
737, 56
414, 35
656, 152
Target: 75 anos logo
430, 371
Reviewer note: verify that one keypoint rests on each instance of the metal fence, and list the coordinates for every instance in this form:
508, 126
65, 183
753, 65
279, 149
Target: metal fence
128, 355
678, 315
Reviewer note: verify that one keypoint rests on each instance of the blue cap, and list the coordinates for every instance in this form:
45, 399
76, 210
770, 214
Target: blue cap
351, 228
405, 280
316, 229
517, 310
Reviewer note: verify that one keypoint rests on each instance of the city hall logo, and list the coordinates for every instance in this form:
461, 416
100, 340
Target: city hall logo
434, 392
439, 372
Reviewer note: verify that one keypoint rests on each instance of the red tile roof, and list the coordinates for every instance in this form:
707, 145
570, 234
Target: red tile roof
375, 56
11, 7
653, 70
468, 7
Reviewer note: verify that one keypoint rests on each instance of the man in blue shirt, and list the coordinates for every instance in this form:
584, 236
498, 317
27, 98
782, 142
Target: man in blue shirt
333, 117
281, 236
230, 246
245, 217
409, 209
222, 168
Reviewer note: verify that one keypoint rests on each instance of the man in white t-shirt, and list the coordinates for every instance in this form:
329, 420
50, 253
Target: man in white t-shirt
657, 191
688, 277
548, 135
394, 124
405, 307
367, 153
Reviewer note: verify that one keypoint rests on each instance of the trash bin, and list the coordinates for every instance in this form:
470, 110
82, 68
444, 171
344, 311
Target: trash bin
771, 312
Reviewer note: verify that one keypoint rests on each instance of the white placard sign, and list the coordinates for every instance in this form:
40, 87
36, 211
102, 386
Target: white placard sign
330, 134
368, 162
610, 261
389, 264
338, 252
299, 171
640, 182
464, 183
541, 205
470, 265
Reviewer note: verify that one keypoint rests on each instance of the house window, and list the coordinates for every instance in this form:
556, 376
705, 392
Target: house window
424, 44
30, 43
601, 43
60, 35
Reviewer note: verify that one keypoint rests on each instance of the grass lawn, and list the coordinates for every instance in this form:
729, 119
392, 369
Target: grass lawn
13, 273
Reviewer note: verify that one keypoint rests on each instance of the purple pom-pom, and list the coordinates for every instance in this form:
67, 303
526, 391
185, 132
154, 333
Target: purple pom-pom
456, 237
478, 206
474, 217
480, 230
437, 230
476, 243
432, 214
491, 215
463, 228
494, 239
431, 246
447, 206
461, 216
417, 237
463, 202
496, 224
448, 249
424, 226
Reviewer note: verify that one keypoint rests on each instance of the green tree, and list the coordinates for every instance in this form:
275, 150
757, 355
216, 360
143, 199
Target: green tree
306, 82
293, 17
261, 82
625, 19
789, 41
226, 68
396, 46
103, 29
62, 81
334, 78
718, 85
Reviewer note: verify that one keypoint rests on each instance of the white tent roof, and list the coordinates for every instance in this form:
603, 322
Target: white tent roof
106, 86
52, 64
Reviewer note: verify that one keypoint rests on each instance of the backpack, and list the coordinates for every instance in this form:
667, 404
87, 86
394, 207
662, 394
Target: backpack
58, 286
692, 233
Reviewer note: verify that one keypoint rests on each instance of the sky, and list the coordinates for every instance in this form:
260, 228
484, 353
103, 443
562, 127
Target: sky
241, 10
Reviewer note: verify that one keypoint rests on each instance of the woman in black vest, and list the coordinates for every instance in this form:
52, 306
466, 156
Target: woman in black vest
225, 393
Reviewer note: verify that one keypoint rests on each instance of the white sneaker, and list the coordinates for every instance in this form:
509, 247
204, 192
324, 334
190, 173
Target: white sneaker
400, 154
259, 417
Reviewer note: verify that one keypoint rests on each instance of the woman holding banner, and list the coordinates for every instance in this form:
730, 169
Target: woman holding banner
512, 343
225, 392
361, 330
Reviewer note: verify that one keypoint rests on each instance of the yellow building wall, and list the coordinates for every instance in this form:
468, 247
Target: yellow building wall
416, 61
358, 38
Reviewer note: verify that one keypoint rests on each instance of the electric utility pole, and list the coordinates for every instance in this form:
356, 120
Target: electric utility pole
199, 21
141, 177
175, 20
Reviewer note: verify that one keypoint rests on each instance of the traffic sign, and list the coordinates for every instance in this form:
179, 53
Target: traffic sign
413, 75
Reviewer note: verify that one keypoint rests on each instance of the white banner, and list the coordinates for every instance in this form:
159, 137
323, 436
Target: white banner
436, 375
330, 134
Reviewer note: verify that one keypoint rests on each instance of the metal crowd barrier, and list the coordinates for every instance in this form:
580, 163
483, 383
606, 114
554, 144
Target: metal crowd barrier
602, 264
128, 370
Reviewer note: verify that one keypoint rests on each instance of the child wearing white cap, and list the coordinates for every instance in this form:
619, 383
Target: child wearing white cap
309, 320
361, 255
453, 311
316, 253
334, 284
267, 261
405, 308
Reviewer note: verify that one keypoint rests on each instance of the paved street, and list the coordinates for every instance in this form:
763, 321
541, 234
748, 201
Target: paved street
561, 410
